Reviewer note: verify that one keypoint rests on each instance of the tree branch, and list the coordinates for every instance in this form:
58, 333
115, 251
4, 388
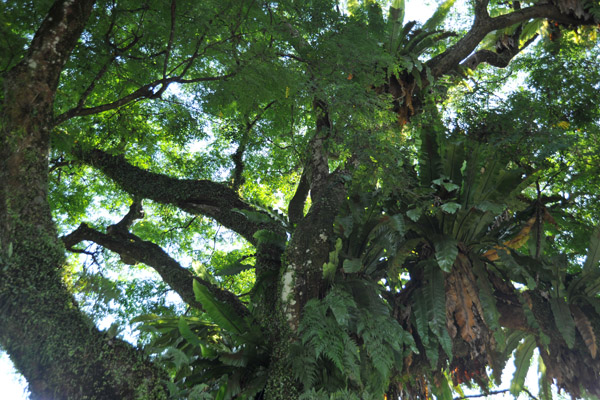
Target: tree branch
43, 328
171, 38
474, 396
132, 249
238, 163
296, 206
149, 91
57, 36
495, 59
203, 197
238, 156
448, 61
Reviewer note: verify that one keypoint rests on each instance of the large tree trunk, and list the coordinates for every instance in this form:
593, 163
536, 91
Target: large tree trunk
303, 259
56, 347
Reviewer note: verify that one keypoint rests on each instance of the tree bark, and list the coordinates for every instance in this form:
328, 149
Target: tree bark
56, 347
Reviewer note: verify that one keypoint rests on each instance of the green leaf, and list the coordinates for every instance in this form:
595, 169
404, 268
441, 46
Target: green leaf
187, 333
208, 352
530, 29
500, 360
454, 159
414, 214
352, 265
488, 301
593, 254
341, 304
421, 315
491, 207
173, 390
438, 16
446, 183
223, 314
430, 162
435, 297
396, 19
270, 237
450, 207
200, 392
344, 225
397, 224
330, 267
522, 362
516, 271
178, 357
234, 268
442, 389
564, 320
222, 392
255, 216
446, 251
544, 383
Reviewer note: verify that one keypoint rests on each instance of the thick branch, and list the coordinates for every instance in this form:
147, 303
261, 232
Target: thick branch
449, 60
135, 212
171, 38
203, 197
296, 206
495, 59
133, 249
318, 167
56, 38
238, 162
238, 156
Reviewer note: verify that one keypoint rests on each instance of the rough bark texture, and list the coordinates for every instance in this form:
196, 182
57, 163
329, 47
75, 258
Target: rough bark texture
200, 197
58, 350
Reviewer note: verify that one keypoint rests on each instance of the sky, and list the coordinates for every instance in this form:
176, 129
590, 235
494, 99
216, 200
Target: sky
14, 387
12, 384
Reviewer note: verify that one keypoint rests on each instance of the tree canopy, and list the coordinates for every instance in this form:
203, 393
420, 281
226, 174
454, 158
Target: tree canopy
299, 199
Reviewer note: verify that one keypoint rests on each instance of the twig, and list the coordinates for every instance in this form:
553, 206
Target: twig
473, 396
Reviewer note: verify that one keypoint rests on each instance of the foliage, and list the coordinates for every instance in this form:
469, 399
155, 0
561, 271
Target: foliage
349, 341
210, 360
303, 199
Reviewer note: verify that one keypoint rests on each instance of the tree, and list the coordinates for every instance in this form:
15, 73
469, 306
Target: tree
429, 232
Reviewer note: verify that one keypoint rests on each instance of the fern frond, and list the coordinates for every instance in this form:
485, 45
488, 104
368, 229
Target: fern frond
430, 160
446, 251
522, 362
396, 19
563, 320
223, 314
438, 16
593, 255
488, 301
435, 297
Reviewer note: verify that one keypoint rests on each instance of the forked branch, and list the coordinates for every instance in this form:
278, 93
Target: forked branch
133, 249
198, 197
